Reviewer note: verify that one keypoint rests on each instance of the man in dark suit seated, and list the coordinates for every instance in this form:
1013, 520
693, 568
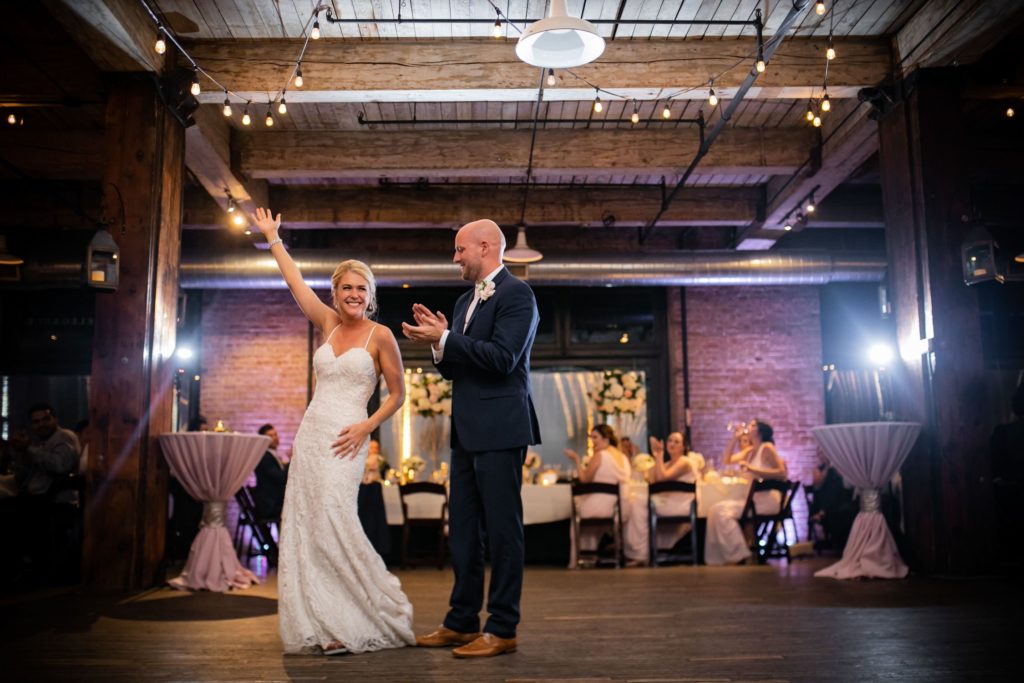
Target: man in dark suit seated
271, 476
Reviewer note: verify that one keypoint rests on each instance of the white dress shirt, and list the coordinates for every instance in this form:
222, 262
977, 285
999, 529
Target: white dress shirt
438, 351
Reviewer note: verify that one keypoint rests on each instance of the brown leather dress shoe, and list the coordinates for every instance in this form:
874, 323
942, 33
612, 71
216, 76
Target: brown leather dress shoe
445, 637
487, 645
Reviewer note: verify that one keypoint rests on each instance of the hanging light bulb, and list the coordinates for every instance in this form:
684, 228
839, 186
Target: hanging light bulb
712, 97
810, 112
496, 31
195, 89
817, 122
760, 66
1009, 114
830, 52
598, 107
634, 118
666, 113
315, 33
298, 75
811, 206
246, 119
231, 204
787, 227
819, 8
551, 78
269, 121
227, 104
282, 108
826, 104
12, 119
238, 219
160, 45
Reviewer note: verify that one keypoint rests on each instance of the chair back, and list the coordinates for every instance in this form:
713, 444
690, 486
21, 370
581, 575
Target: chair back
759, 485
423, 488
672, 486
595, 487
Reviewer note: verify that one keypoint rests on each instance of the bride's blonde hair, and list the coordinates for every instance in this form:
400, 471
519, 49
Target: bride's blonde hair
363, 271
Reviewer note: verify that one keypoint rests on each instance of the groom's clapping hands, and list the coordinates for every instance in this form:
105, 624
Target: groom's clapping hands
428, 328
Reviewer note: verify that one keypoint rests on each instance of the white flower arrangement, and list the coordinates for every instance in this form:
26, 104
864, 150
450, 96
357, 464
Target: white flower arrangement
414, 463
643, 462
619, 393
430, 394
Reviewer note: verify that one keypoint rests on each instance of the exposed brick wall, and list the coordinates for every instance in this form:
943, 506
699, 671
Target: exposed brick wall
254, 361
756, 352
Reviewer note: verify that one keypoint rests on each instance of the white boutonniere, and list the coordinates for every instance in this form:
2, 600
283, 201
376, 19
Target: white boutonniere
485, 290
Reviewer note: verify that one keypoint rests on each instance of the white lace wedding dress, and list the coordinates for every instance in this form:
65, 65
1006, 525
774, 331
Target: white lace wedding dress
332, 585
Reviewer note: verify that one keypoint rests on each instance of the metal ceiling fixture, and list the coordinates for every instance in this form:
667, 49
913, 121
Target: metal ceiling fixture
560, 41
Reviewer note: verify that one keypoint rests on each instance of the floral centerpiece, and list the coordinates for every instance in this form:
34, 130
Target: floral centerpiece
430, 394
619, 393
411, 466
643, 462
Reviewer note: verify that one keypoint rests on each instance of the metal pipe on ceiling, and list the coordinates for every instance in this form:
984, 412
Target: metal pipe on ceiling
257, 269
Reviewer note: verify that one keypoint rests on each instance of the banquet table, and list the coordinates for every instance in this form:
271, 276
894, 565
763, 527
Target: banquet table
541, 504
867, 454
212, 466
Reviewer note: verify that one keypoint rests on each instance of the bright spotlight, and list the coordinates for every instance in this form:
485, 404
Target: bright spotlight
880, 354
184, 353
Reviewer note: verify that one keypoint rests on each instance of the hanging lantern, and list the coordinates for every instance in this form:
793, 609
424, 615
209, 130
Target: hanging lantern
101, 261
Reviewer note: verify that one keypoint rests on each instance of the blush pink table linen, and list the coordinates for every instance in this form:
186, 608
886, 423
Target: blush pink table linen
867, 454
212, 466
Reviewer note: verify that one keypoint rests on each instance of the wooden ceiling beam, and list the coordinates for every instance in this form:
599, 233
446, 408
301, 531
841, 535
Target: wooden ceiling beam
208, 157
118, 35
478, 70
490, 153
448, 206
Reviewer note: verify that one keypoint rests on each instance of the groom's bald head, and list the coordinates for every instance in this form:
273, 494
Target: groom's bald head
479, 248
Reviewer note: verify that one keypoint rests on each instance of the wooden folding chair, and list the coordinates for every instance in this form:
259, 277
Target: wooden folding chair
437, 524
671, 487
615, 520
766, 527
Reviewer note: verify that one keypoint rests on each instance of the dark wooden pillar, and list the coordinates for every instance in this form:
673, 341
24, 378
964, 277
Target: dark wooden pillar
131, 393
926, 192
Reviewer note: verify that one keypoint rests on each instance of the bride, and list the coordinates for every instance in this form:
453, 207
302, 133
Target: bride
335, 594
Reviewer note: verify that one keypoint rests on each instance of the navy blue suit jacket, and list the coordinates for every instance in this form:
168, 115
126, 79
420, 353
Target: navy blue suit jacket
489, 366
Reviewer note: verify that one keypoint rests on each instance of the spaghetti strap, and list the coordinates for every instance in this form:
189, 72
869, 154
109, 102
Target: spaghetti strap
372, 330
335, 329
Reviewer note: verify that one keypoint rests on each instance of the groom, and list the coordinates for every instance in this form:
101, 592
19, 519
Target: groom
486, 355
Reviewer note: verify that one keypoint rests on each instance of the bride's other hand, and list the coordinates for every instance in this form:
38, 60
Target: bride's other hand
351, 439
267, 223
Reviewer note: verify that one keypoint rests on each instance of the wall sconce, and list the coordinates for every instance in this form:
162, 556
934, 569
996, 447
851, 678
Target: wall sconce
102, 265
978, 257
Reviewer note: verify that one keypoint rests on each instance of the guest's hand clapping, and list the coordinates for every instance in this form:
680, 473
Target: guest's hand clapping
429, 327
351, 439
572, 455
657, 447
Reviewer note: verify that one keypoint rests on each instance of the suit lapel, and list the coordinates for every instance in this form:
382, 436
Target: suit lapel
498, 279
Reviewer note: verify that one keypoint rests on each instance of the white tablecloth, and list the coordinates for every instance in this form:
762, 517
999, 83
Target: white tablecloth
541, 504
212, 466
867, 454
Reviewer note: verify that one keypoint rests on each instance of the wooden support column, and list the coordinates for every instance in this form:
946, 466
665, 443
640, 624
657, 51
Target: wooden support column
925, 187
131, 385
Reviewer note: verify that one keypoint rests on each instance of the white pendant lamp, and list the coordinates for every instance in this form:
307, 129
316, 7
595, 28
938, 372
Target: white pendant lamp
522, 253
559, 41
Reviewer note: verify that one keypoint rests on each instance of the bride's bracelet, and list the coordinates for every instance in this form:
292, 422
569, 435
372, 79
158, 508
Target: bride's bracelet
277, 241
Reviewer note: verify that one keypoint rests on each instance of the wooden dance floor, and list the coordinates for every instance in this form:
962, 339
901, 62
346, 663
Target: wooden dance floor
773, 623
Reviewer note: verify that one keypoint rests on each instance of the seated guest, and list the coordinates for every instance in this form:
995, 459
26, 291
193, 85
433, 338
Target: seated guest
833, 506
271, 477
44, 460
726, 542
608, 465
627, 447
683, 465
739, 443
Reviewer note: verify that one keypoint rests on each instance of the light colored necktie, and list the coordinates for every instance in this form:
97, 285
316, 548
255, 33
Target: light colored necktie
471, 309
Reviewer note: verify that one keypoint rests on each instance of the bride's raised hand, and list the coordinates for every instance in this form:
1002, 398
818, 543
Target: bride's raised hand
267, 223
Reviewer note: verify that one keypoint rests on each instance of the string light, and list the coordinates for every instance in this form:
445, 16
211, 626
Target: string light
160, 45
195, 89
830, 52
1009, 114
598, 107
246, 119
787, 227
12, 119
232, 206
282, 108
315, 33
712, 97
496, 31
227, 104
635, 116
298, 75
760, 66
826, 104
817, 122
551, 78
666, 113
238, 219
811, 206
819, 8
269, 121
810, 112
